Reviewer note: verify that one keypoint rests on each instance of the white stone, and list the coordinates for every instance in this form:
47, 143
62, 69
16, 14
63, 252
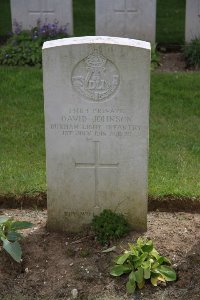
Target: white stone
28, 12
74, 293
134, 19
96, 92
192, 20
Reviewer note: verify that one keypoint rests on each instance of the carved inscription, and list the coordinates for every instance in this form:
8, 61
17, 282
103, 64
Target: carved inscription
95, 77
70, 214
96, 122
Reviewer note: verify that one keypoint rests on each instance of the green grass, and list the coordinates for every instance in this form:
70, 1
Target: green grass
174, 133
170, 19
170, 22
5, 17
22, 131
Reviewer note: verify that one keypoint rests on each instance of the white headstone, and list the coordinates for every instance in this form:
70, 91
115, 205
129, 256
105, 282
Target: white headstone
127, 18
192, 25
28, 12
96, 92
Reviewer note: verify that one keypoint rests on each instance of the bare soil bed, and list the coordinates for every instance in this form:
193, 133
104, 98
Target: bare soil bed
54, 264
174, 62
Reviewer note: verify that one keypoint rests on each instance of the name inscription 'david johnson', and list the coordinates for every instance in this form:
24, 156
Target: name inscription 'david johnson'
93, 122
95, 77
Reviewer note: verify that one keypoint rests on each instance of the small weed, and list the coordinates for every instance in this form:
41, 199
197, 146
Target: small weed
155, 58
84, 253
109, 226
143, 262
10, 236
70, 252
192, 53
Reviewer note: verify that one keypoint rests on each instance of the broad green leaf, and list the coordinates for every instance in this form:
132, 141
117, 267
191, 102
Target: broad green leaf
109, 250
146, 264
141, 259
13, 249
135, 258
147, 273
118, 270
161, 278
160, 260
166, 260
139, 275
13, 236
155, 253
122, 258
154, 281
167, 272
4, 219
132, 276
140, 242
133, 249
130, 287
163, 259
21, 225
148, 246
155, 273
141, 284
155, 265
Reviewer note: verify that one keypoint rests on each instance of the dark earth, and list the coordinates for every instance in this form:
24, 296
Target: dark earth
55, 264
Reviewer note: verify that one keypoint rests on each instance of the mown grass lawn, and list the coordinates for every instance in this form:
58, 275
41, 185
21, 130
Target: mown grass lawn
22, 131
174, 119
170, 19
174, 133
174, 166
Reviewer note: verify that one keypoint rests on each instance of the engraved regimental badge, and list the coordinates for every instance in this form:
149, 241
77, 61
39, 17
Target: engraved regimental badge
95, 77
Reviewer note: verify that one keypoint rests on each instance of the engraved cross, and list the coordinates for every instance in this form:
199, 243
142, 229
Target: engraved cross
127, 8
96, 165
42, 8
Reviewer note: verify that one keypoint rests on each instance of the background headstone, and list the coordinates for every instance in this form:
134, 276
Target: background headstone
28, 12
127, 18
96, 93
192, 20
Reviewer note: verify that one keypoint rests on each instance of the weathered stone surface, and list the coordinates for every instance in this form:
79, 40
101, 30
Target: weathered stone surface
28, 12
192, 20
96, 93
134, 19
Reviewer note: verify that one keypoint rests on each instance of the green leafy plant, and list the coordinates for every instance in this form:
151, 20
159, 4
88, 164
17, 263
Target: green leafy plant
24, 47
109, 226
10, 236
155, 58
192, 53
143, 262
